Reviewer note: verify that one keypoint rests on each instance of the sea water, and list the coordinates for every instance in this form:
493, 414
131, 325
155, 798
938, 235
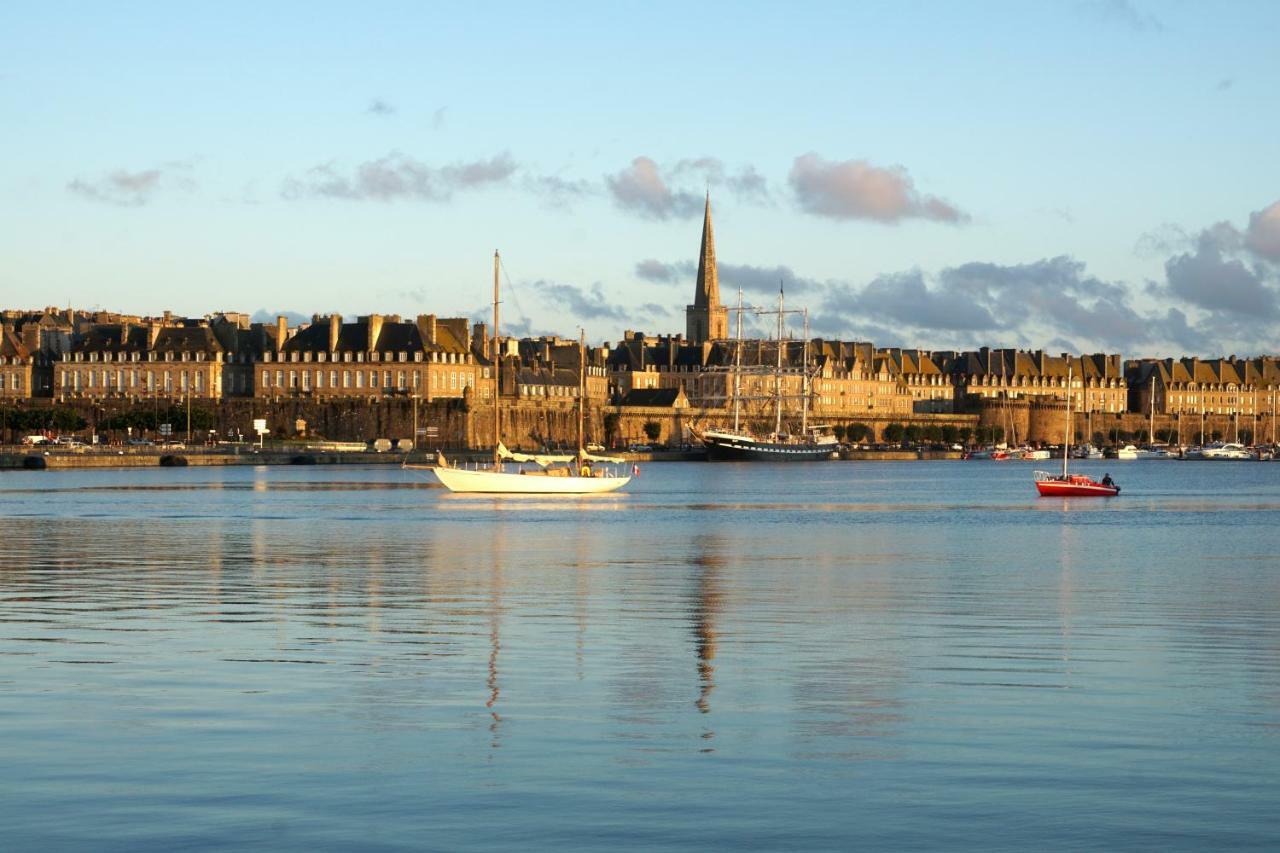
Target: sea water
817, 656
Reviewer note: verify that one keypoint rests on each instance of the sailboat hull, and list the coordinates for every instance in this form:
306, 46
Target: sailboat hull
741, 448
1072, 486
502, 482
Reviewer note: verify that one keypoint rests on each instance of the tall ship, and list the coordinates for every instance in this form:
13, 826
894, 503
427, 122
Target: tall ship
738, 442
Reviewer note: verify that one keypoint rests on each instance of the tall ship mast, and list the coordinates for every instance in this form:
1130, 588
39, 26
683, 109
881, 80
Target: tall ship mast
739, 442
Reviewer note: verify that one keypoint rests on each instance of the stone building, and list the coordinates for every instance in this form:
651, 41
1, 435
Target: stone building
1194, 386
378, 356
923, 378
990, 374
24, 373
550, 367
150, 360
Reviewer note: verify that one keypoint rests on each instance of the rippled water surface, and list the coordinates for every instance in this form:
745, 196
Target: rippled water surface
829, 656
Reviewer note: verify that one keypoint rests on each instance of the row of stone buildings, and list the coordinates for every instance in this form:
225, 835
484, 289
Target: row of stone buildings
72, 355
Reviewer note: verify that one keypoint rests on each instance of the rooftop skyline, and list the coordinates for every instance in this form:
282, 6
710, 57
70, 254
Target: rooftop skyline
1092, 176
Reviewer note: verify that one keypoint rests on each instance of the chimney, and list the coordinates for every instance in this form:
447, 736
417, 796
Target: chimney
431, 329
153, 333
282, 331
375, 330
480, 332
335, 327
124, 334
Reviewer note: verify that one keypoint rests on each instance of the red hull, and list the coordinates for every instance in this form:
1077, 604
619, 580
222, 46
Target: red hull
1074, 486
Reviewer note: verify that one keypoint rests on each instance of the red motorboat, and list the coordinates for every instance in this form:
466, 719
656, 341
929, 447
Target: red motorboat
1066, 485
1073, 486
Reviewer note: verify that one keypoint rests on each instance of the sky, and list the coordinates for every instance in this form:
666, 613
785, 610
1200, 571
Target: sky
1082, 176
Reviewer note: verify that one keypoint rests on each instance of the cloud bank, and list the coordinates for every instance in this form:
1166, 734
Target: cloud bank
397, 176
855, 189
124, 188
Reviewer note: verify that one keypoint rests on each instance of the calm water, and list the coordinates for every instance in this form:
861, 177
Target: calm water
909, 655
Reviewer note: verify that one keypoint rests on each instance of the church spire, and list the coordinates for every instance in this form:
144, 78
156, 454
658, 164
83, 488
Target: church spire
707, 293
706, 319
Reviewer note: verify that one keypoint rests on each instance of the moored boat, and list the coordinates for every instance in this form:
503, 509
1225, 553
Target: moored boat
726, 445
1228, 451
551, 475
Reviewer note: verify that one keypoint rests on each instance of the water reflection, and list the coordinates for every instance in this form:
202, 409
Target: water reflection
337, 657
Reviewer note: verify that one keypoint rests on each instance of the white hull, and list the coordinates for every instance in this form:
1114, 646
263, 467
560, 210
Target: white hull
502, 482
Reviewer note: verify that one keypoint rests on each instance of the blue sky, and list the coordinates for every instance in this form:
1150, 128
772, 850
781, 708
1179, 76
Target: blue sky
1085, 175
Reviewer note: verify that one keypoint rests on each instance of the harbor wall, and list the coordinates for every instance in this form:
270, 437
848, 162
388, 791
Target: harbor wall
1045, 423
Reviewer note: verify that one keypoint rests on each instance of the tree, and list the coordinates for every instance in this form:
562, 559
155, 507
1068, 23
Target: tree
894, 433
611, 422
912, 433
652, 429
856, 433
964, 434
933, 433
948, 434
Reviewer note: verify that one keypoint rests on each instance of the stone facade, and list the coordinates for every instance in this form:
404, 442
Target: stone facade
378, 357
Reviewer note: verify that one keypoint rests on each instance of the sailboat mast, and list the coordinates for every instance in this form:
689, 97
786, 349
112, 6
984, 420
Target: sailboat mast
582, 385
497, 370
1066, 439
777, 377
737, 368
804, 382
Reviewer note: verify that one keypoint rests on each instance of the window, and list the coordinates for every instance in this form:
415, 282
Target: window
453, 380
199, 381
359, 378
279, 378
266, 378
417, 379
319, 379
333, 379
306, 380
401, 380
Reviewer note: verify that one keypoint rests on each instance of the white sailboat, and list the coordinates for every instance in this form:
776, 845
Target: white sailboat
551, 475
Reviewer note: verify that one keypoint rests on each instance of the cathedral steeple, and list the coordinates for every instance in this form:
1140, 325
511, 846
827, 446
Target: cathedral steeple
706, 319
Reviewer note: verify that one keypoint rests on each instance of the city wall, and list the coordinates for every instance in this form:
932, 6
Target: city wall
1045, 423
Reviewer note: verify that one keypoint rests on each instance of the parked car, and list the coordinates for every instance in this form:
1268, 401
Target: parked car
34, 439
639, 448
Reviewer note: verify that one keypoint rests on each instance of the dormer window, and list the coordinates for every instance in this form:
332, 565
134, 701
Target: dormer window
417, 356
186, 356
320, 356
